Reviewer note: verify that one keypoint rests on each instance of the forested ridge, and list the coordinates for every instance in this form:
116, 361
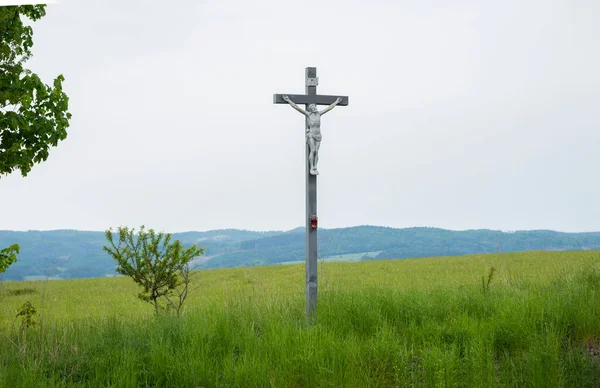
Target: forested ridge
78, 254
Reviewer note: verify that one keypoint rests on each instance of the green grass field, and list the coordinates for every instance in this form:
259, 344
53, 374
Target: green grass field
422, 322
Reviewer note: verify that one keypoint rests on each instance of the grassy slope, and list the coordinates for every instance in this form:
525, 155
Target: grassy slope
424, 322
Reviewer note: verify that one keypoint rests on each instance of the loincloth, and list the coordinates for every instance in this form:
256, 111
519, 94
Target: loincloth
313, 136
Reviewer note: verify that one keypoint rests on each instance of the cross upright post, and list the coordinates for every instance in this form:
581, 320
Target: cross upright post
313, 140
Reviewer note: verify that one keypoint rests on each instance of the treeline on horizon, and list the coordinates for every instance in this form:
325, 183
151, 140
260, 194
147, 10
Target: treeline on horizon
68, 254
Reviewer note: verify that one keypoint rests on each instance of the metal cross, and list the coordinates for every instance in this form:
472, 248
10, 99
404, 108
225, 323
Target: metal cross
311, 97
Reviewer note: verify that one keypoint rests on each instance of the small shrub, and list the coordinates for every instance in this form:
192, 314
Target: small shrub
153, 262
28, 314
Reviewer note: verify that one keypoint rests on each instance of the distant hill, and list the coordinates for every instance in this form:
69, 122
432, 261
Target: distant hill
393, 243
77, 254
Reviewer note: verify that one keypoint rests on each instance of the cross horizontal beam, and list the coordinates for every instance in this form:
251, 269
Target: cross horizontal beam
306, 99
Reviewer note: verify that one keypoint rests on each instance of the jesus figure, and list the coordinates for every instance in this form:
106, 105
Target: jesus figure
313, 130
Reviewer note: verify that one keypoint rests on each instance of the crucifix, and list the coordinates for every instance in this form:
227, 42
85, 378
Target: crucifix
313, 141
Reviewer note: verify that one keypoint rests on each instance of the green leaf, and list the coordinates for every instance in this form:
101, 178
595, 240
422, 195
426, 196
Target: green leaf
8, 256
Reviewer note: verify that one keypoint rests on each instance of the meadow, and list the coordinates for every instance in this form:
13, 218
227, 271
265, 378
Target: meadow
527, 319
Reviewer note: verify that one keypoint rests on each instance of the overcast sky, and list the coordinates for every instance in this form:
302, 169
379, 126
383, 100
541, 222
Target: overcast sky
475, 114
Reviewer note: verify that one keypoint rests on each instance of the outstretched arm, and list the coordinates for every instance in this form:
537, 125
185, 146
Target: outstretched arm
293, 104
330, 107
